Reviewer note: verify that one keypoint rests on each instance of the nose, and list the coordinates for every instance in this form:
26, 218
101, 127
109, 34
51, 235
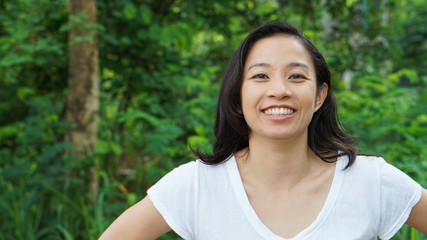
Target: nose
279, 89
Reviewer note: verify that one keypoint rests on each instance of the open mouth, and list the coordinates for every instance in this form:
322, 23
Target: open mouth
278, 111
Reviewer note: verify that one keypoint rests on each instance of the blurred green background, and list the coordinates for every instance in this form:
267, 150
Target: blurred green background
160, 65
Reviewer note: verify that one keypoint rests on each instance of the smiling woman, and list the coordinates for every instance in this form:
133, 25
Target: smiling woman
282, 167
279, 94
325, 137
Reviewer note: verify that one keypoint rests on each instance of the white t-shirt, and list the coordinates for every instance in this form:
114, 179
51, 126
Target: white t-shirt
369, 199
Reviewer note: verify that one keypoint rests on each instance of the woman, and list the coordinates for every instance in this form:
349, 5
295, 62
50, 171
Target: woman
282, 168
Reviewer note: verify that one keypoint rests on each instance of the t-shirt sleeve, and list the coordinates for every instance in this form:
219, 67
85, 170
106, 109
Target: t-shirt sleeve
399, 194
173, 197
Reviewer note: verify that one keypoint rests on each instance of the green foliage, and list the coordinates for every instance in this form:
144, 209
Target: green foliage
388, 119
160, 67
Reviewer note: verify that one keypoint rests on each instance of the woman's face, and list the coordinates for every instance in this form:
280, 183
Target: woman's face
279, 94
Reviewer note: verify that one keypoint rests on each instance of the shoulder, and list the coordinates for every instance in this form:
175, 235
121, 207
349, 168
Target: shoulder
369, 163
377, 165
189, 174
182, 173
365, 164
377, 194
196, 167
179, 194
375, 173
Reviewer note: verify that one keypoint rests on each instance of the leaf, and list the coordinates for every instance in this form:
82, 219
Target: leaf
14, 59
129, 11
115, 148
8, 131
65, 27
137, 114
101, 147
104, 147
50, 152
146, 14
132, 198
21, 33
411, 74
78, 19
266, 7
67, 234
23, 92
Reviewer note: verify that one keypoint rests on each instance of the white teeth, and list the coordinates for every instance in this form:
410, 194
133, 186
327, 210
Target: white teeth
279, 111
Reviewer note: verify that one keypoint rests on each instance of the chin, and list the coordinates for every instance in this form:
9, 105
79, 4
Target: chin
280, 136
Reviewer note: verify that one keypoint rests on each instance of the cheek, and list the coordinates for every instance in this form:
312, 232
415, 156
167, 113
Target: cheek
307, 97
246, 98
246, 107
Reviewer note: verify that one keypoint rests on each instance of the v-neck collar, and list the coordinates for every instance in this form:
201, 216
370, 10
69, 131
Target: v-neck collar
258, 225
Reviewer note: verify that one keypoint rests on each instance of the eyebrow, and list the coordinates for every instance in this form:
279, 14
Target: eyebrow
293, 64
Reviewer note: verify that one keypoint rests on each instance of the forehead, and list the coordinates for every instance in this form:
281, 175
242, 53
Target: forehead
279, 49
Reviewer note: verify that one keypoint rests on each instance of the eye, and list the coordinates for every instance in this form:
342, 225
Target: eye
297, 76
259, 76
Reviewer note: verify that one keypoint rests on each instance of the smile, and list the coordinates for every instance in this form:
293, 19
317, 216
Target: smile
278, 111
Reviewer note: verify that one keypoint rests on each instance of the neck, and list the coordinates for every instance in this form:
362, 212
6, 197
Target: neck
276, 163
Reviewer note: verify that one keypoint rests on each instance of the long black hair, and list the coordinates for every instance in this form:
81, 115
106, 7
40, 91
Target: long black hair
325, 135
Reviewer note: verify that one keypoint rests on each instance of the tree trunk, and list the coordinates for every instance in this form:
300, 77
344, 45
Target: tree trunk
83, 82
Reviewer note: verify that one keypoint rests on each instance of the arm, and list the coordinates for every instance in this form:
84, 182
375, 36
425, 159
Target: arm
141, 221
418, 217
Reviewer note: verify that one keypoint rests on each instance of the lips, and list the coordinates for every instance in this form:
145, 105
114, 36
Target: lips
278, 111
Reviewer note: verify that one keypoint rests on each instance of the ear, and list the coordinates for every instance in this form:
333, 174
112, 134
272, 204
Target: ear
321, 96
